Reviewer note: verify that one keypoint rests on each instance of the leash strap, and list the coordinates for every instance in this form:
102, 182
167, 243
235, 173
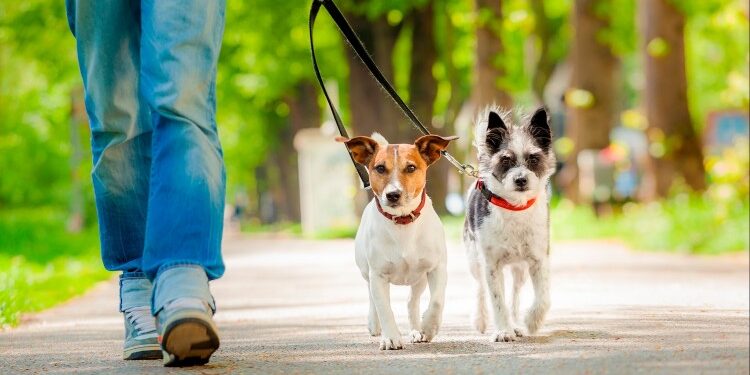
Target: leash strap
359, 49
361, 171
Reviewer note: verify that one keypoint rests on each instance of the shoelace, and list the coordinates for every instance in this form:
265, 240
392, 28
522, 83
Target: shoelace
142, 320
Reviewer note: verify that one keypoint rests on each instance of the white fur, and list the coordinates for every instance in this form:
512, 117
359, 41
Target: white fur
413, 254
380, 139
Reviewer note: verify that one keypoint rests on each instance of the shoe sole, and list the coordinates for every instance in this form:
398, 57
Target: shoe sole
189, 340
142, 352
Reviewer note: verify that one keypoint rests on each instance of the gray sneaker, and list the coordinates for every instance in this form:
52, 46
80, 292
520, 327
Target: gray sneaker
140, 335
187, 332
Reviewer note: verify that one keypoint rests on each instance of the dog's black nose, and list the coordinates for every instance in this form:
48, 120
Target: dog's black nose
521, 182
393, 196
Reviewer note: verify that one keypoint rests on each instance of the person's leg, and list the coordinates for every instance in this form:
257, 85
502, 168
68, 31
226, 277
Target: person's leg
108, 42
180, 45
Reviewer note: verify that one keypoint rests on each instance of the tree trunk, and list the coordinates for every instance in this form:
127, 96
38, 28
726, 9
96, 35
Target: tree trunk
665, 99
545, 64
489, 49
304, 112
455, 182
594, 70
423, 90
370, 110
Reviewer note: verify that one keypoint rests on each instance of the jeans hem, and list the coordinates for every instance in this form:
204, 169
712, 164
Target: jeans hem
191, 282
132, 275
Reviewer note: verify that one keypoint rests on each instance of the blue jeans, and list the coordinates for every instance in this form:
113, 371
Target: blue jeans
149, 73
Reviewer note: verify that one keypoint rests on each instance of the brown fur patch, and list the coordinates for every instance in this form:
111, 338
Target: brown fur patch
409, 161
398, 157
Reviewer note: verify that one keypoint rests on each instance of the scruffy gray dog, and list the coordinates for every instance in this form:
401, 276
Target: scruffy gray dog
507, 219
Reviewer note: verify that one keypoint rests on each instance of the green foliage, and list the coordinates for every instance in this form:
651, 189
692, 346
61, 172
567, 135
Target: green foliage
41, 264
265, 54
717, 46
37, 72
684, 223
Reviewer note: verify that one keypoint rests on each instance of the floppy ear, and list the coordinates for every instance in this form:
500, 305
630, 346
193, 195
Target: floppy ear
497, 132
361, 148
429, 146
540, 130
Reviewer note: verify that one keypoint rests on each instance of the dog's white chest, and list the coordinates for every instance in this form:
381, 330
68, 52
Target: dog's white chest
403, 255
404, 270
510, 237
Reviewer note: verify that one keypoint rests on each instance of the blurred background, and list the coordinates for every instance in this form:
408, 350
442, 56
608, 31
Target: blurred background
648, 100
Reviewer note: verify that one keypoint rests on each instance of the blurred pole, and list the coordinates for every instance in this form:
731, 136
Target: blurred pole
675, 148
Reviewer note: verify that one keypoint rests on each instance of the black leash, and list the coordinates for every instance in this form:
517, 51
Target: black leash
359, 49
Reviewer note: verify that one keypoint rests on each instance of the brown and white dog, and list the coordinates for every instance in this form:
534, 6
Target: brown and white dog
400, 238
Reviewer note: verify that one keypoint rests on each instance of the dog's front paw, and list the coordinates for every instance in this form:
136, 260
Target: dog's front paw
534, 319
417, 336
429, 330
504, 336
390, 343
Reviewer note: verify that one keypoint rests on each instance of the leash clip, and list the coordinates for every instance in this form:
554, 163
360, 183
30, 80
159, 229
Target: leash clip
469, 170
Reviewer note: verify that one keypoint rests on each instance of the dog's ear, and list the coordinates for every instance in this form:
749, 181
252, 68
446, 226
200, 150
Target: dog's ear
497, 132
539, 129
361, 148
429, 146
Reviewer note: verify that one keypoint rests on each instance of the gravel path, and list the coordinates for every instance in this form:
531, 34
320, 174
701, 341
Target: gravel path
294, 306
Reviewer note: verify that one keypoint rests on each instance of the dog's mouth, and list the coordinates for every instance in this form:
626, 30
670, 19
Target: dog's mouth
522, 189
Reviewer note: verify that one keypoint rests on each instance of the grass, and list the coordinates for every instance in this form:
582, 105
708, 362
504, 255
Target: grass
41, 264
684, 223
295, 230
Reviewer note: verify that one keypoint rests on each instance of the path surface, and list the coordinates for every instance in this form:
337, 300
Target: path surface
293, 306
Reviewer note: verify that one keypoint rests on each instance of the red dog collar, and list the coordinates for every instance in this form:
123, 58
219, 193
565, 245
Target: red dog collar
406, 219
499, 201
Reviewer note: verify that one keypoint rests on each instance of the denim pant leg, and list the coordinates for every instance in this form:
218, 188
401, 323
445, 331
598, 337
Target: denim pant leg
180, 46
108, 43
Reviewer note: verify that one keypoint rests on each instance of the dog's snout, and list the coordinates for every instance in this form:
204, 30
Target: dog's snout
393, 196
521, 182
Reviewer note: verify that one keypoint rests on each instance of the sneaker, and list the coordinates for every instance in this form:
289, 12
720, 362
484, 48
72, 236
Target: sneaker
140, 335
187, 333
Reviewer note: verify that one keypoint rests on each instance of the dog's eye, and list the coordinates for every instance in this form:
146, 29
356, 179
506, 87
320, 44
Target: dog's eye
505, 161
410, 169
380, 169
533, 159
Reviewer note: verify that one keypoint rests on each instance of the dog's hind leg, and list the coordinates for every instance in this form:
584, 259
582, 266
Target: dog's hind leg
373, 322
539, 272
413, 305
433, 316
480, 315
519, 278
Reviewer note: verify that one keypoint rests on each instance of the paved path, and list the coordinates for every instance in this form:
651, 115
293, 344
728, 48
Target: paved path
293, 306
